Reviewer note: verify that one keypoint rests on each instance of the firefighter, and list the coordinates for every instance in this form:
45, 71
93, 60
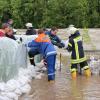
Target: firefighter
75, 45
43, 45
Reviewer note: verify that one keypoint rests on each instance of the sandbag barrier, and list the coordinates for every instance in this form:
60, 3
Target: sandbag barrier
93, 58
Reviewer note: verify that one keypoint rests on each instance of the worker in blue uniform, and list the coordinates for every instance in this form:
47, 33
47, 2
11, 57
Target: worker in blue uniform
43, 45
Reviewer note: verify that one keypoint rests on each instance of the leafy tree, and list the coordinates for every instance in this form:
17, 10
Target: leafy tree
48, 13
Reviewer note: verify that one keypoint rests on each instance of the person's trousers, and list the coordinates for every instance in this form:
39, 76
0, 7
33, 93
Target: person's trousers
83, 64
51, 67
31, 56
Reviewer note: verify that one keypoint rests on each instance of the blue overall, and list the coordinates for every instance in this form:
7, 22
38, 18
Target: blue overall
43, 46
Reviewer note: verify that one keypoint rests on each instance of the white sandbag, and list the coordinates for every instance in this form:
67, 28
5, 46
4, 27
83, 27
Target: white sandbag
4, 98
39, 76
36, 69
44, 68
2, 86
32, 71
18, 91
26, 38
12, 85
25, 72
23, 80
25, 89
10, 95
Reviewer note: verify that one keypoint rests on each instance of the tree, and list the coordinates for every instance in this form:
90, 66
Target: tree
48, 13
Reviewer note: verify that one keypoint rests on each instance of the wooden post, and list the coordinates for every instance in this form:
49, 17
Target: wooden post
60, 63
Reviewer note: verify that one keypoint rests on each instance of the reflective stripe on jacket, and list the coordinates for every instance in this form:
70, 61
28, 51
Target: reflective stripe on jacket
75, 45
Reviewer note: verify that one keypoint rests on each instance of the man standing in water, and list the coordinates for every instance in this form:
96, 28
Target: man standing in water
75, 46
43, 45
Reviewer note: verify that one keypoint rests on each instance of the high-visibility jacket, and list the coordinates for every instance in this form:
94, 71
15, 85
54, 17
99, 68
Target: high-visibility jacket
75, 45
43, 45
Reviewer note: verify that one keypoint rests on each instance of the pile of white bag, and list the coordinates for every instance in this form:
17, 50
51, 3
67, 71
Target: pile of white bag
14, 88
20, 75
94, 65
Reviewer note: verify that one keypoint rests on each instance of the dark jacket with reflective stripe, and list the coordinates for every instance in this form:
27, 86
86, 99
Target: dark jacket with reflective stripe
75, 45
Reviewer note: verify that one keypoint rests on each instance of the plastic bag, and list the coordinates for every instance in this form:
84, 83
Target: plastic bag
12, 57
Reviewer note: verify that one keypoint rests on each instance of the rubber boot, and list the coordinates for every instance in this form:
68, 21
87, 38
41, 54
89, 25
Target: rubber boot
74, 74
51, 81
51, 78
87, 72
32, 62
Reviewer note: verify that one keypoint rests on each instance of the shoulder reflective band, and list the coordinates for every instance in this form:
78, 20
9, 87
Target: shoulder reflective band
78, 38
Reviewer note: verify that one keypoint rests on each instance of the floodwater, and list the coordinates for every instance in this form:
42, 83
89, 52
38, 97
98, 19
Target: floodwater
65, 88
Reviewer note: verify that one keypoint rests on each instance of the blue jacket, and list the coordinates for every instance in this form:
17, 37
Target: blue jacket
43, 46
55, 40
53, 37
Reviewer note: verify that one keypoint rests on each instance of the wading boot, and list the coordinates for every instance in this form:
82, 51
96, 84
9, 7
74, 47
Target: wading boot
74, 74
51, 81
87, 72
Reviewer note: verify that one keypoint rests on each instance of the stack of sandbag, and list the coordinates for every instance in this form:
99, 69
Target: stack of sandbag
12, 89
94, 65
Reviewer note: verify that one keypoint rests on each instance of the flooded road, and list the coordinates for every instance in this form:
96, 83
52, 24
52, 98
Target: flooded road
64, 87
